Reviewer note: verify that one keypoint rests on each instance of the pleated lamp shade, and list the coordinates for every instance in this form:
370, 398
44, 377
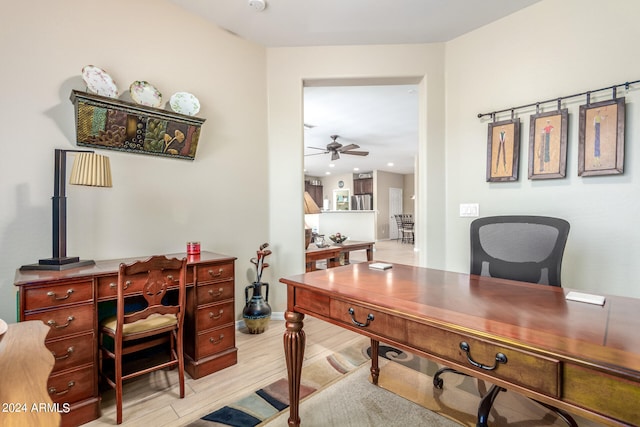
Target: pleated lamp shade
310, 207
91, 169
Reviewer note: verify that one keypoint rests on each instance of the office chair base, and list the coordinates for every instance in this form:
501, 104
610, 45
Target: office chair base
487, 403
438, 382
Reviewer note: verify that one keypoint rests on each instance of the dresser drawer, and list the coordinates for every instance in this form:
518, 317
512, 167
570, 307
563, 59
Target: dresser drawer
57, 295
214, 316
214, 272
69, 352
71, 386
370, 320
215, 292
215, 340
531, 370
67, 320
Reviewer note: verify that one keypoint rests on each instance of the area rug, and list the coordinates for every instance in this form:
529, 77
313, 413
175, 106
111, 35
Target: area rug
336, 391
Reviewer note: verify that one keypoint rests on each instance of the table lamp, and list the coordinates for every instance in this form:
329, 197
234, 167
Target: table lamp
89, 169
310, 207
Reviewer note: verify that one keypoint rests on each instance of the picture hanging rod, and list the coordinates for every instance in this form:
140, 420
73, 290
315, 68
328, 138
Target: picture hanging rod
559, 99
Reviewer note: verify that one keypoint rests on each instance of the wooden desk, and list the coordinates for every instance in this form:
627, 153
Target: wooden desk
332, 253
25, 364
68, 302
580, 357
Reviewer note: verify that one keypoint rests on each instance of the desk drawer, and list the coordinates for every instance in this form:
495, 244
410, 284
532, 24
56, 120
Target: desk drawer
108, 285
214, 316
523, 368
216, 340
69, 352
373, 321
609, 395
54, 296
214, 272
66, 321
71, 386
207, 294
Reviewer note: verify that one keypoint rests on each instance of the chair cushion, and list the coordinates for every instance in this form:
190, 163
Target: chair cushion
154, 321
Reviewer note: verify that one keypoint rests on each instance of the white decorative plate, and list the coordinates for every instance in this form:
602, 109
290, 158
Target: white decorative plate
3, 327
184, 103
144, 93
99, 82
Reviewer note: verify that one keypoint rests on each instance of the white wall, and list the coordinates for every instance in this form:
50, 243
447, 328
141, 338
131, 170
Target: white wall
156, 204
551, 49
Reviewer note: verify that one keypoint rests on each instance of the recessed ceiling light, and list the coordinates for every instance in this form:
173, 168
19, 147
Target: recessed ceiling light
390, 164
356, 169
331, 165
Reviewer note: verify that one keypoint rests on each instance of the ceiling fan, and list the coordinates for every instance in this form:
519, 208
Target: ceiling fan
335, 148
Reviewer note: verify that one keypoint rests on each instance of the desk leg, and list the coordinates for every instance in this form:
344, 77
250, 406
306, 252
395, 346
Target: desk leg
294, 342
369, 254
375, 369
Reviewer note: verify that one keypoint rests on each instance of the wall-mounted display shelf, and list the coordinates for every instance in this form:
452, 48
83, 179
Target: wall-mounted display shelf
109, 123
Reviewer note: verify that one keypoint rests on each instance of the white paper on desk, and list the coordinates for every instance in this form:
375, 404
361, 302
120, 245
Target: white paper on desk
380, 266
588, 298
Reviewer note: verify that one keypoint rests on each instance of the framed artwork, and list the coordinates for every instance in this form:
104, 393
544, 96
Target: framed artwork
601, 139
503, 147
548, 145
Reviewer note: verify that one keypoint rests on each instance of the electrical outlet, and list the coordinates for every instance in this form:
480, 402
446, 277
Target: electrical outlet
469, 210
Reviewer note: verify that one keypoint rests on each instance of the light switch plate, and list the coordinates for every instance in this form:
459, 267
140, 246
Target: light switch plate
469, 210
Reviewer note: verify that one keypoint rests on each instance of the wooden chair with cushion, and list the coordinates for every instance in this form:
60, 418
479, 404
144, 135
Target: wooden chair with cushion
524, 248
148, 322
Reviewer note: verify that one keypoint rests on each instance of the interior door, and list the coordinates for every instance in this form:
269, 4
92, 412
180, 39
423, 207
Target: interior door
395, 208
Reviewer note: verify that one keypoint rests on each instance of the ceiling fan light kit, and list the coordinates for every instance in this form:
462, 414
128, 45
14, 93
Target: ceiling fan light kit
335, 148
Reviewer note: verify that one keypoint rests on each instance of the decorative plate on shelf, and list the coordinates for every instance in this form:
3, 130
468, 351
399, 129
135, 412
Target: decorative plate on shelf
3, 328
99, 82
145, 93
184, 103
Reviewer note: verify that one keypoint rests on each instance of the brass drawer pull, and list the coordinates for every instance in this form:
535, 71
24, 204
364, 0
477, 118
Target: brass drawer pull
57, 298
64, 356
216, 317
115, 285
218, 274
360, 324
216, 294
216, 341
500, 358
52, 390
53, 323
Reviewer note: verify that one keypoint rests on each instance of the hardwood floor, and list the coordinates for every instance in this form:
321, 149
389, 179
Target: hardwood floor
153, 399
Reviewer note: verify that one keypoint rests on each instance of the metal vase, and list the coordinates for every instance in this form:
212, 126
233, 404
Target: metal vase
257, 310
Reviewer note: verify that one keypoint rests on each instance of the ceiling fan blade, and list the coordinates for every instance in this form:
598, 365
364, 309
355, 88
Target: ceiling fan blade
316, 148
315, 154
335, 155
356, 153
348, 147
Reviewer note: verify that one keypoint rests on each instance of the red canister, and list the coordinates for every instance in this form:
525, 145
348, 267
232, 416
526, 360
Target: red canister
193, 248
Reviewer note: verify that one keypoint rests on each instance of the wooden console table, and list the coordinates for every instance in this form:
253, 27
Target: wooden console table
332, 253
68, 302
25, 364
580, 357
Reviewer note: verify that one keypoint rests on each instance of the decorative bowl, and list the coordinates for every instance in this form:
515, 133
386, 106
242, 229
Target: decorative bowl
338, 238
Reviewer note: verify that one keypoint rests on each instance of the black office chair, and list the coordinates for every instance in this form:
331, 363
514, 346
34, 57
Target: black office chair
524, 248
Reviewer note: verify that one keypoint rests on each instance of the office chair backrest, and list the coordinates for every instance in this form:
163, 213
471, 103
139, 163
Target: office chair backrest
525, 248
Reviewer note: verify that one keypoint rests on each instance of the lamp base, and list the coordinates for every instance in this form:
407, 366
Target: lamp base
57, 264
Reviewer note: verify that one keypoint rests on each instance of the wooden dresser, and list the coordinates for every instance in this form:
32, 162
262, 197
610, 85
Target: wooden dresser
73, 301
